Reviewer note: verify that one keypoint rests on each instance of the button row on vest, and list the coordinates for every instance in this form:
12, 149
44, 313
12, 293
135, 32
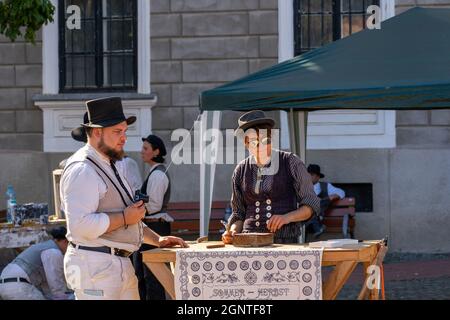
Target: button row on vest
268, 215
268, 201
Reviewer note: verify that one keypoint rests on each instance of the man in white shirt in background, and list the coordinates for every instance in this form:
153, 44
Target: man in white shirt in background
327, 194
37, 273
103, 218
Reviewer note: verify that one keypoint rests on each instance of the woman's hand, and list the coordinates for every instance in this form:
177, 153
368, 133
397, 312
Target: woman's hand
227, 236
171, 241
277, 221
236, 227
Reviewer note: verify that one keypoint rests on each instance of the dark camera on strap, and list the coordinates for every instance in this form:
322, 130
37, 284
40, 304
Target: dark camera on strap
138, 196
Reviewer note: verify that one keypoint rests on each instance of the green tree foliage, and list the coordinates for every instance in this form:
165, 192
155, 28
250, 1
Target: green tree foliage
28, 15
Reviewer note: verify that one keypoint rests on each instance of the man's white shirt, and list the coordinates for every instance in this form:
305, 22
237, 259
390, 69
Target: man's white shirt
52, 261
131, 172
331, 190
157, 185
81, 190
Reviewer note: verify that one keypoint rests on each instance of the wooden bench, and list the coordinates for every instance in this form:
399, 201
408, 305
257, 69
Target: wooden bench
2, 215
187, 219
339, 218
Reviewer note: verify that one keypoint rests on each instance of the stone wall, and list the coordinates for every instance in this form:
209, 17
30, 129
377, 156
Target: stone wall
423, 128
410, 187
20, 78
197, 45
200, 44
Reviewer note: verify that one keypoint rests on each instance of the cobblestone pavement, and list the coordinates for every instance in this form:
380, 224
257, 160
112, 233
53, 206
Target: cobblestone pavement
404, 257
415, 289
408, 276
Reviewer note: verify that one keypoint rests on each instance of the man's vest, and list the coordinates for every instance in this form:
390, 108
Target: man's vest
30, 262
323, 196
166, 198
116, 199
323, 190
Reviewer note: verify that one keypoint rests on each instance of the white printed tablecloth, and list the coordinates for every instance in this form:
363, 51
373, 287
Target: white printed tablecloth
256, 274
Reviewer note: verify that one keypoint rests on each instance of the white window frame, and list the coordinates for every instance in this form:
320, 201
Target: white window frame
50, 52
336, 129
61, 116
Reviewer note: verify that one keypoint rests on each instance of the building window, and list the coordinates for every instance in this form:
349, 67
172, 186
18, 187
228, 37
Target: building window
362, 192
102, 54
319, 22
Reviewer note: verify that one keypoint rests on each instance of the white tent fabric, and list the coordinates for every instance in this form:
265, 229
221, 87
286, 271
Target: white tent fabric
209, 129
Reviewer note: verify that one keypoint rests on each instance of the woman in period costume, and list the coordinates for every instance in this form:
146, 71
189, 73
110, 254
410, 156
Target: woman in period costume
157, 187
271, 189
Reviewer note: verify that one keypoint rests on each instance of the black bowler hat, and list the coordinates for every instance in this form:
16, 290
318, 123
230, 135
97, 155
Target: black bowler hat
252, 119
157, 143
79, 133
106, 112
314, 168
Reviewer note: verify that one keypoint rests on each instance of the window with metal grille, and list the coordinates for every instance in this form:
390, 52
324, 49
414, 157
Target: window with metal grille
318, 22
102, 54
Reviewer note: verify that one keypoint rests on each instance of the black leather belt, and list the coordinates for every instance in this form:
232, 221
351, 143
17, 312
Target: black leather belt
17, 279
150, 220
105, 249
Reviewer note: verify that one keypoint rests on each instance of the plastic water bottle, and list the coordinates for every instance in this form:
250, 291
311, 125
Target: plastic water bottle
11, 204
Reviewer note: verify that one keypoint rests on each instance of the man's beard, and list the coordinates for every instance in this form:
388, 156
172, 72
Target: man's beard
111, 153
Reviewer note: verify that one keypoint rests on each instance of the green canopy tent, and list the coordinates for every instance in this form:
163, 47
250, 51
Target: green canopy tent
402, 66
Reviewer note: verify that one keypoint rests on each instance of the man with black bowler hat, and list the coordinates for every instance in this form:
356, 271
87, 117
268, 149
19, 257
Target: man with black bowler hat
104, 224
130, 166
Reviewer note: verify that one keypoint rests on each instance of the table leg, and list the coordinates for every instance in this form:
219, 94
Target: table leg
374, 293
164, 275
337, 278
363, 295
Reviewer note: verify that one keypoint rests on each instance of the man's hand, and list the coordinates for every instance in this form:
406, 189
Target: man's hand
134, 213
277, 221
171, 241
334, 197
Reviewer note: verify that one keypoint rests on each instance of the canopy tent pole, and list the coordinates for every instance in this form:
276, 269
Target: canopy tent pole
293, 145
302, 127
298, 121
208, 160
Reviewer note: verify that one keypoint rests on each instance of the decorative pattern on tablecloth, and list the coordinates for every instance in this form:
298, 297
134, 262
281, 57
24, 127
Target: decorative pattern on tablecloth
249, 274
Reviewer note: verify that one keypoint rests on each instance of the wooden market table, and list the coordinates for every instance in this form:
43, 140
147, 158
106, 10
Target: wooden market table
345, 259
26, 235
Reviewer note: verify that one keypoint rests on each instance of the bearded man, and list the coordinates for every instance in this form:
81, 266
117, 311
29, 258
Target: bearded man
103, 223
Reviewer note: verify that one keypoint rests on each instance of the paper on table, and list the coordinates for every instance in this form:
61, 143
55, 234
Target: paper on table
335, 243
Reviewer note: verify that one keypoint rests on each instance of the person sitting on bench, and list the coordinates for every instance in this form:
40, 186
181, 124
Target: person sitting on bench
327, 194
